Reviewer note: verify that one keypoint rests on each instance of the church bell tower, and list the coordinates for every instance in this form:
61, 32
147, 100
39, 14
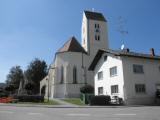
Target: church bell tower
94, 32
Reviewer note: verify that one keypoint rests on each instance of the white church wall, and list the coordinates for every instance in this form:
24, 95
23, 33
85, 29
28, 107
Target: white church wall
69, 60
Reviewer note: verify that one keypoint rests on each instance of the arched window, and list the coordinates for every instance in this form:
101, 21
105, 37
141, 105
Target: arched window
74, 75
62, 75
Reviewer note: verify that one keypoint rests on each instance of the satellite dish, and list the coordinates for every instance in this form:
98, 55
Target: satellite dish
92, 9
122, 46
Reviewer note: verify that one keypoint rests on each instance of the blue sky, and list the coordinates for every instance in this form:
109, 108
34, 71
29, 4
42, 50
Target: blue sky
37, 28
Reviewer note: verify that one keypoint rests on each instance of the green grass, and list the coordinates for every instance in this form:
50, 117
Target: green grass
46, 102
75, 101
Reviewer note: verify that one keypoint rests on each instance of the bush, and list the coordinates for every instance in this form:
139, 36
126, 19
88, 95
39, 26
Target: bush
86, 98
29, 98
2, 94
100, 100
87, 89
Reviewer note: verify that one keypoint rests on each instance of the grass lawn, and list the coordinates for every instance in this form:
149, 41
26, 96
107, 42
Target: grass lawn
46, 102
75, 101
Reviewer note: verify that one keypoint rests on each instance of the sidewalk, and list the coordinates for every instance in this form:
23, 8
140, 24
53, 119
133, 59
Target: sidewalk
63, 103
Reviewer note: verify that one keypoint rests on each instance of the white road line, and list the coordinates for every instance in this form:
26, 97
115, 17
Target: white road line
129, 114
34, 114
80, 115
8, 112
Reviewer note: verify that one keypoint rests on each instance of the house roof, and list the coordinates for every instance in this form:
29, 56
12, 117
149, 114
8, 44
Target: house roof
72, 45
120, 53
94, 16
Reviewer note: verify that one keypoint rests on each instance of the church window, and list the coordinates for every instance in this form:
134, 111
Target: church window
98, 38
74, 75
97, 25
62, 75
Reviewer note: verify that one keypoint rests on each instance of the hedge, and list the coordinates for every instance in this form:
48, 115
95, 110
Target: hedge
100, 100
29, 98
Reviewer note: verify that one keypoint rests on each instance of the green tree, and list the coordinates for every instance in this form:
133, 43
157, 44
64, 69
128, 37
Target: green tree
35, 72
29, 87
14, 77
10, 88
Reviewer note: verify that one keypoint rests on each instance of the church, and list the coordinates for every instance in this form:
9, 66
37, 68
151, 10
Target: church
69, 70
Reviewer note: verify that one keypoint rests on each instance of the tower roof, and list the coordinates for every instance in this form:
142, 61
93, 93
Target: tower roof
72, 45
95, 16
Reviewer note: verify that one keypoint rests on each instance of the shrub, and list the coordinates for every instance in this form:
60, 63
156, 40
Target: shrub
100, 100
3, 95
29, 87
29, 98
87, 89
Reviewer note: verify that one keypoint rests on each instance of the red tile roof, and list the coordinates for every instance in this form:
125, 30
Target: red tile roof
72, 45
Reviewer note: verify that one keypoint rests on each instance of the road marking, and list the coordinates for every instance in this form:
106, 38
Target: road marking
80, 115
34, 114
129, 114
8, 112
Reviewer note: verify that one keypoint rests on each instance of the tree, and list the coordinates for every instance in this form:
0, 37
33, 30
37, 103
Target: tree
35, 72
14, 77
10, 88
29, 87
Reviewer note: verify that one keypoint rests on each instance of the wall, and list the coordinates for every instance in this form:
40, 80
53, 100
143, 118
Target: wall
150, 78
107, 81
68, 60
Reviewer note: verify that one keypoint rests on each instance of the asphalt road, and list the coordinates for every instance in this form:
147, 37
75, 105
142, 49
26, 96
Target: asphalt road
37, 113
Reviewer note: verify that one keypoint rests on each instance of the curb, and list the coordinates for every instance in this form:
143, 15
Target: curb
63, 106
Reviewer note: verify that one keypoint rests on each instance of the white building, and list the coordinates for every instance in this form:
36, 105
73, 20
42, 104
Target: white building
132, 76
69, 70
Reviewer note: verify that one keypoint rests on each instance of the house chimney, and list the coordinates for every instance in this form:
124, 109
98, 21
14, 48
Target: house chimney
152, 52
127, 49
